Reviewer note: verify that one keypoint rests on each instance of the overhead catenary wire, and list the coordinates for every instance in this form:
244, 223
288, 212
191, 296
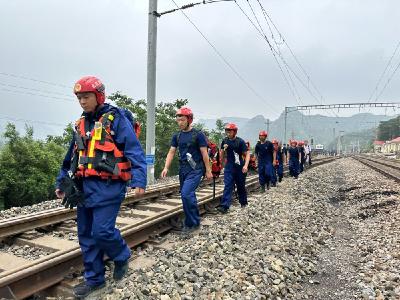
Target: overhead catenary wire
259, 97
269, 20
387, 82
375, 90
291, 88
159, 14
31, 121
35, 80
274, 51
35, 90
34, 94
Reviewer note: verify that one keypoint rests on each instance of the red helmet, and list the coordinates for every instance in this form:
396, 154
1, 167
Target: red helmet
93, 85
231, 126
293, 142
187, 112
263, 133
301, 143
275, 141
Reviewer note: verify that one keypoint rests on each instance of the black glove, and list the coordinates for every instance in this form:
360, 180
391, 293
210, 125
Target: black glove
73, 195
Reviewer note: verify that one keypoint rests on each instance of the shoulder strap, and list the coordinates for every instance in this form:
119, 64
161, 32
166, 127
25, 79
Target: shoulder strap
195, 134
237, 142
106, 120
178, 137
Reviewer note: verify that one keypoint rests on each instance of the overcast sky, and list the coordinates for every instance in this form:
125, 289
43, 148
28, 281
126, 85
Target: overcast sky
344, 45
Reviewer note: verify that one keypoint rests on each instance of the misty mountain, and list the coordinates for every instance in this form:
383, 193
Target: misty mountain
299, 126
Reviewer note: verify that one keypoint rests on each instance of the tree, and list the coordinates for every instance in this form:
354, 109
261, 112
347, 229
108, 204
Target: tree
390, 129
63, 140
217, 134
28, 167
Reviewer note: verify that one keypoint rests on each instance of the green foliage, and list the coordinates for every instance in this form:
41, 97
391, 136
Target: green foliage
218, 134
166, 126
63, 140
388, 130
137, 107
28, 168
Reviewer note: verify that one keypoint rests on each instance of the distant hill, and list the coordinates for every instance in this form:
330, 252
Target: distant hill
300, 126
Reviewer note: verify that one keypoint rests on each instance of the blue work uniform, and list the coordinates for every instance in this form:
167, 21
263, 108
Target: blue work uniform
233, 173
303, 158
265, 152
294, 161
190, 176
279, 167
97, 216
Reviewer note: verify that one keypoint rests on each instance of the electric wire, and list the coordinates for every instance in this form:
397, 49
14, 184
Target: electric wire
292, 88
284, 41
34, 94
226, 61
31, 121
273, 50
33, 89
375, 90
35, 80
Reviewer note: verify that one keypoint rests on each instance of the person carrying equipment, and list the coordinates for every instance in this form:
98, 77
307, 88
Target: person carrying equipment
253, 163
104, 160
215, 162
293, 159
266, 158
193, 163
278, 169
233, 148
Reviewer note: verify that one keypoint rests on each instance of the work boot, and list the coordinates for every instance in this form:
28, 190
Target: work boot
273, 184
222, 210
83, 289
268, 186
243, 205
280, 179
262, 189
120, 269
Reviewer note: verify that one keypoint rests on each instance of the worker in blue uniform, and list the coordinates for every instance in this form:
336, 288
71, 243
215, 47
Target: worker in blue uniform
266, 161
193, 164
278, 168
293, 159
105, 159
233, 149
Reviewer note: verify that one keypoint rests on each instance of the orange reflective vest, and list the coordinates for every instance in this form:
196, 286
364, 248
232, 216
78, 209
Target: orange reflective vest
98, 155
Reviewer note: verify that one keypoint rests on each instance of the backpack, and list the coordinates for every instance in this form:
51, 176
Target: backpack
137, 127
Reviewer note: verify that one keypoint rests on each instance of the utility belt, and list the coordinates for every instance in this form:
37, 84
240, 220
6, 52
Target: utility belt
104, 163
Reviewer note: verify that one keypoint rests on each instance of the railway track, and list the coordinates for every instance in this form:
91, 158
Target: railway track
384, 166
140, 218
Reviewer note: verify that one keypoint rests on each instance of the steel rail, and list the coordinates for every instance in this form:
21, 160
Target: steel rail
389, 170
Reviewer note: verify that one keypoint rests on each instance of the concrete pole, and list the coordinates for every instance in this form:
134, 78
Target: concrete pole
151, 90
284, 136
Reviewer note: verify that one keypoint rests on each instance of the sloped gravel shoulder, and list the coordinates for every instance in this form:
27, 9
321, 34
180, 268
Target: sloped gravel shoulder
265, 251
